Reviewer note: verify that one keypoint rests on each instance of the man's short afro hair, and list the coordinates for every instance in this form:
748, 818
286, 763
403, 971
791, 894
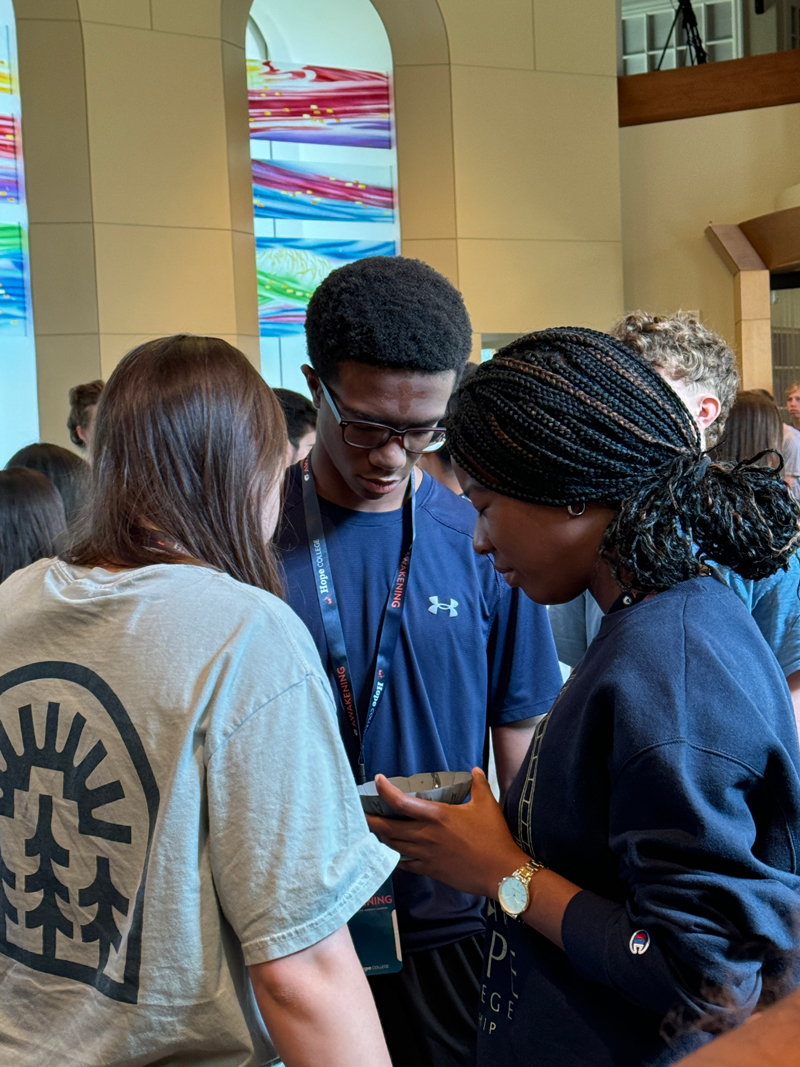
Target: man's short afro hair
387, 311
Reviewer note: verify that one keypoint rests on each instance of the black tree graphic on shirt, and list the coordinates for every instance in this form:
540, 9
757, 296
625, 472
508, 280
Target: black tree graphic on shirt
16, 777
87, 745
47, 913
7, 878
106, 896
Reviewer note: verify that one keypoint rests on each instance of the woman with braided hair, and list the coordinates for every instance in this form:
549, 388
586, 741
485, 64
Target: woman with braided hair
642, 878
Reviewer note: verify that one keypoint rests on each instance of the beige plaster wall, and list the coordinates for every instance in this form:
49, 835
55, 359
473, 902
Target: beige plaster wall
135, 136
508, 158
677, 177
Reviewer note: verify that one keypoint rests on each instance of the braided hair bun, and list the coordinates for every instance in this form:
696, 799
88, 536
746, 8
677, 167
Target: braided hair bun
568, 416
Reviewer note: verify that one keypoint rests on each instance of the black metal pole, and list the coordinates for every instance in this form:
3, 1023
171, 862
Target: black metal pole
693, 39
669, 37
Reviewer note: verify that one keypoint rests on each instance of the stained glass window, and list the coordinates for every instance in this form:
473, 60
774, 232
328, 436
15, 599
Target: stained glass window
19, 422
323, 156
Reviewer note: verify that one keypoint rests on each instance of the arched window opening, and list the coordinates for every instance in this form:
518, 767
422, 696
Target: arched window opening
324, 160
255, 45
19, 420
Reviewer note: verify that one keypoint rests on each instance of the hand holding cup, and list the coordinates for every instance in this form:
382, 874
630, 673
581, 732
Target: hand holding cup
467, 846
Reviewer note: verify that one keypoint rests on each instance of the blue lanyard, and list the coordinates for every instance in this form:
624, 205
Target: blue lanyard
332, 621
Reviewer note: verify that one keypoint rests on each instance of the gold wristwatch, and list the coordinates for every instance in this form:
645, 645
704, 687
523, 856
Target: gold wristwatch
512, 892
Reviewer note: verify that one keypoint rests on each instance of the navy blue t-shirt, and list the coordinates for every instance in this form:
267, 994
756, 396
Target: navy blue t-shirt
471, 654
665, 782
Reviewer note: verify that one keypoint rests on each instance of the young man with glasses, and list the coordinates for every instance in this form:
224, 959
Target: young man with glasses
426, 646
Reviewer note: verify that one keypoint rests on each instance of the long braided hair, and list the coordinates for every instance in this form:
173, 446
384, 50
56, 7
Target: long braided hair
571, 416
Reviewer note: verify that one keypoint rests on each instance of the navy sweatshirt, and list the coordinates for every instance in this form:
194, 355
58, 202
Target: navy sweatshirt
665, 782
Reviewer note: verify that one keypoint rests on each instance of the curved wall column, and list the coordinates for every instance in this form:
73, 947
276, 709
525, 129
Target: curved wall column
509, 172
135, 134
62, 249
424, 121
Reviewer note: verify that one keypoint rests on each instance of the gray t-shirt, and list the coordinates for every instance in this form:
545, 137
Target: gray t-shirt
175, 804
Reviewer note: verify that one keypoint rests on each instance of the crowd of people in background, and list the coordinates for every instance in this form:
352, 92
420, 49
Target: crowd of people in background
43, 487
235, 609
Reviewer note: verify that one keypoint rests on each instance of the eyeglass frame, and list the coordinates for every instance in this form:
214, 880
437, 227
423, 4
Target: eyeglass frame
392, 430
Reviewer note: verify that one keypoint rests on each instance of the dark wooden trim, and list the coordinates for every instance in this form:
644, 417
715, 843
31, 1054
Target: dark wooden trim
735, 249
711, 89
776, 238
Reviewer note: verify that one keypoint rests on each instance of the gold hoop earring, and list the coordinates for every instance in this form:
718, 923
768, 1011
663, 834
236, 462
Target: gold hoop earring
574, 510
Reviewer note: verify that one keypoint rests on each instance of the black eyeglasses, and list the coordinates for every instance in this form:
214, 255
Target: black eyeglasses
417, 439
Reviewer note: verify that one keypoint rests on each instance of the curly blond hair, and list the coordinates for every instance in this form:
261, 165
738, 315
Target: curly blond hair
687, 350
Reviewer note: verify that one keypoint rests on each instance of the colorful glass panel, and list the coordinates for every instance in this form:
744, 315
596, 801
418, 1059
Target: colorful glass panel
289, 190
290, 269
19, 422
319, 105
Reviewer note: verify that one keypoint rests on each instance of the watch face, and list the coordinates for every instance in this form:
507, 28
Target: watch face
513, 896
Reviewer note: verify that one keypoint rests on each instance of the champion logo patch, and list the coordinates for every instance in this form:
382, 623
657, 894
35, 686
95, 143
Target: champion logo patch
437, 605
639, 942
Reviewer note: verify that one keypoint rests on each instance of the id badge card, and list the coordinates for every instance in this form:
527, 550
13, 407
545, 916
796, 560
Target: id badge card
375, 933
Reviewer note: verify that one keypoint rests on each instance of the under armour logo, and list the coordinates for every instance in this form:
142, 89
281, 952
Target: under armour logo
437, 605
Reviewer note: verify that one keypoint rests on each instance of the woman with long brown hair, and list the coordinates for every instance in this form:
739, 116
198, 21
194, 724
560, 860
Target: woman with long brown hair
754, 428
178, 806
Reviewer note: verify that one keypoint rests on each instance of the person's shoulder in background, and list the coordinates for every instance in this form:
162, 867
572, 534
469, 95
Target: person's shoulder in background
774, 603
575, 625
790, 451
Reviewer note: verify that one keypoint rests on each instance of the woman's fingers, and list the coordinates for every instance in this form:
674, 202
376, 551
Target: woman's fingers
396, 829
479, 779
403, 837
480, 784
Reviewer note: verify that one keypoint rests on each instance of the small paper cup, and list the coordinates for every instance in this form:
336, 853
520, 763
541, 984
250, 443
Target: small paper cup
447, 787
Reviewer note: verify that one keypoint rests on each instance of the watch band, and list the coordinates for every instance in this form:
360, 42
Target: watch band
527, 871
